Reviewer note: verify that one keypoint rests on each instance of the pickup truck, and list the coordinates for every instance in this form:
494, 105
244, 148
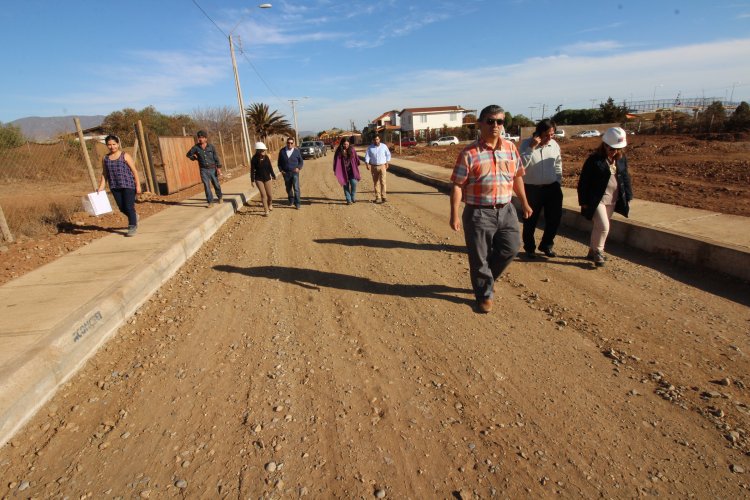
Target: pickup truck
510, 137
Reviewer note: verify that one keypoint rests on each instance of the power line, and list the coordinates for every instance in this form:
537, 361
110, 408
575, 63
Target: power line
268, 87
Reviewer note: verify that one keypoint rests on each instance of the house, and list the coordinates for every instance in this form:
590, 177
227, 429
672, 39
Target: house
414, 121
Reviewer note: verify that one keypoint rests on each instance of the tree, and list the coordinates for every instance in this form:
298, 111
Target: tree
578, 117
508, 120
10, 136
263, 123
224, 120
713, 117
740, 119
155, 124
522, 121
611, 112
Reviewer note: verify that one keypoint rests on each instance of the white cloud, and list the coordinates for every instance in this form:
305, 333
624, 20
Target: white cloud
588, 47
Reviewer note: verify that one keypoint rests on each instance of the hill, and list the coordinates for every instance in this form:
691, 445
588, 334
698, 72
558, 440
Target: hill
40, 128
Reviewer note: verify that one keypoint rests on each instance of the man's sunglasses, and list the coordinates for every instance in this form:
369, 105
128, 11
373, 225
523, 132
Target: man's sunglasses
493, 121
290, 142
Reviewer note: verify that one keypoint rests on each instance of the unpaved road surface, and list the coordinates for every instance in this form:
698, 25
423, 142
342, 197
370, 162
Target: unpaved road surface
332, 352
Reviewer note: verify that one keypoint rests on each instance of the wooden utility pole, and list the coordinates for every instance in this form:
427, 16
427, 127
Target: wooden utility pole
144, 155
7, 236
147, 147
234, 152
85, 153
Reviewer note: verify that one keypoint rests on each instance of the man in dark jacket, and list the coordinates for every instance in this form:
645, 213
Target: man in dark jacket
290, 163
210, 166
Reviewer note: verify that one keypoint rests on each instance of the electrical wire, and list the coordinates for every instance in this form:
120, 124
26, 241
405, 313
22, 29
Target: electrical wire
268, 87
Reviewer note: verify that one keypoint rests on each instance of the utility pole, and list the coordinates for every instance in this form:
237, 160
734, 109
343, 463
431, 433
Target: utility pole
243, 119
294, 113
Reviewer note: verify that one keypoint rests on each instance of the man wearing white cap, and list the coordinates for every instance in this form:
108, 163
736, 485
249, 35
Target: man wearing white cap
261, 173
603, 188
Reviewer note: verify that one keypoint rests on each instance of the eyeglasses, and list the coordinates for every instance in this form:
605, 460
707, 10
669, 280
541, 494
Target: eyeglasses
290, 142
493, 121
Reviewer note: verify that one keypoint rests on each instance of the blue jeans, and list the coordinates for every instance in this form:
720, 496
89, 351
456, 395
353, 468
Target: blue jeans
291, 181
209, 176
125, 199
350, 190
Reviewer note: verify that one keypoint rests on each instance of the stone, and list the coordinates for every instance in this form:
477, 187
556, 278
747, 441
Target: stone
181, 483
24, 485
380, 493
737, 469
271, 467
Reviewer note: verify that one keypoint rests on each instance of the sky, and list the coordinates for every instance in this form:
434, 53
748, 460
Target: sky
349, 62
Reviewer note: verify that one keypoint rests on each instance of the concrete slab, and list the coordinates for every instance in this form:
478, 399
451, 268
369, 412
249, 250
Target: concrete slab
54, 318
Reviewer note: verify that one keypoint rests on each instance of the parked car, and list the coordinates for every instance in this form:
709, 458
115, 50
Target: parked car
309, 150
511, 137
559, 134
322, 147
445, 141
588, 133
408, 142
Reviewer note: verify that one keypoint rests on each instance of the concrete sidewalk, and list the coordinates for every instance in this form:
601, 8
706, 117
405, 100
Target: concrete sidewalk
52, 319
710, 240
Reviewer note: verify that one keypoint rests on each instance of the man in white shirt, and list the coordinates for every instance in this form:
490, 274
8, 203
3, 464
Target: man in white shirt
543, 180
376, 160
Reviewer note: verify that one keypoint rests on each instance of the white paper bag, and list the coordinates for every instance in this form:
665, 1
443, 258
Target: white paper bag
97, 203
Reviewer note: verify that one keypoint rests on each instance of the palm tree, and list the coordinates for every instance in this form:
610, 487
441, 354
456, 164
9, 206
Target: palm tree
263, 123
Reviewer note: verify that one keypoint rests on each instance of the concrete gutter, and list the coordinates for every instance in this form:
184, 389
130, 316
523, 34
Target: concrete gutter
54, 318
710, 240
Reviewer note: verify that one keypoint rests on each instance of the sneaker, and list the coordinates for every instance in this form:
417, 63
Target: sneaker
377, 200
348, 202
597, 257
531, 254
384, 199
220, 201
131, 231
548, 252
485, 306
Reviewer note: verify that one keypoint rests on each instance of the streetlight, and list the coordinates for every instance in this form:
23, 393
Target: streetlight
240, 102
294, 113
398, 133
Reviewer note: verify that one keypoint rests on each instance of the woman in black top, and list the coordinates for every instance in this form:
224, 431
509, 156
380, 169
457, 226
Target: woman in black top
603, 188
261, 172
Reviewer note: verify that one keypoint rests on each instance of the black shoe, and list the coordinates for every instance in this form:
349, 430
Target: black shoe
531, 254
548, 252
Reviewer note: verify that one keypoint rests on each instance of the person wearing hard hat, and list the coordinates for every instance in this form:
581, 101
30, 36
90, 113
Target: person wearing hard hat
261, 173
603, 188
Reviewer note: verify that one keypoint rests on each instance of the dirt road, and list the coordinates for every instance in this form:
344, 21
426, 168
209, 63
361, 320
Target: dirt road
333, 352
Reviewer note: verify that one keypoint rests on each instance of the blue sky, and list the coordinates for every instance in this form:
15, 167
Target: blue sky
354, 60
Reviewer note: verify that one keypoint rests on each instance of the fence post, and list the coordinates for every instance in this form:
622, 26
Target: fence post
144, 156
234, 152
85, 153
4, 227
221, 145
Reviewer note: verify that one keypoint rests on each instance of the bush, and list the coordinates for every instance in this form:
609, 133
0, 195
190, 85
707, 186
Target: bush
10, 136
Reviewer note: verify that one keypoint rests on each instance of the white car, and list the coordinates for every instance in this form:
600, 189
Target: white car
589, 133
445, 141
511, 137
559, 134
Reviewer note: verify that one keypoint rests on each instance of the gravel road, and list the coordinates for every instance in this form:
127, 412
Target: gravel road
333, 352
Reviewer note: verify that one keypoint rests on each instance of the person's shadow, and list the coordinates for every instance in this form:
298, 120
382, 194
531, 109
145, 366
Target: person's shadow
314, 280
382, 243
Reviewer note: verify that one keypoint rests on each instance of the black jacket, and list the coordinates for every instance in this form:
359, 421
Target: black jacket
261, 170
593, 181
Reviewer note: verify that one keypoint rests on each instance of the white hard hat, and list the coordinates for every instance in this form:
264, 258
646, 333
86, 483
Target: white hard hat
260, 145
615, 137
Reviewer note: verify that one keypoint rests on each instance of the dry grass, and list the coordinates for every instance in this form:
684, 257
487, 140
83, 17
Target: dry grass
36, 217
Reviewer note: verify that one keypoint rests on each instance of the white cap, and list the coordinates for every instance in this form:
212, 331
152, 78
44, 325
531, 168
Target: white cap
615, 137
260, 145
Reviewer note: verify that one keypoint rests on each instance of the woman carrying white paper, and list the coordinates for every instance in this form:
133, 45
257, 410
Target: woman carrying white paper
118, 169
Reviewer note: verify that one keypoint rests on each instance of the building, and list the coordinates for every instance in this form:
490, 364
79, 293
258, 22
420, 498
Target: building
414, 121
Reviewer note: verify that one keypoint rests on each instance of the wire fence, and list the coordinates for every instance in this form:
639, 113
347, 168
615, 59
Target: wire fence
41, 184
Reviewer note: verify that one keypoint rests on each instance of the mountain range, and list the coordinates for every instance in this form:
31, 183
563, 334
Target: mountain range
42, 128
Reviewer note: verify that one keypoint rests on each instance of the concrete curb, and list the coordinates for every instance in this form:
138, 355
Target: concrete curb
33, 377
683, 248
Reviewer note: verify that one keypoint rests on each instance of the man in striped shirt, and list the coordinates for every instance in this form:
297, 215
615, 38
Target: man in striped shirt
487, 173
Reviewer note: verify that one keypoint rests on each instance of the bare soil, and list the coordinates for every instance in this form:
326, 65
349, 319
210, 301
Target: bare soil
697, 173
333, 352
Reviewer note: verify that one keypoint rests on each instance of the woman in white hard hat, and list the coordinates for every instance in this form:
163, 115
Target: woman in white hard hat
261, 172
603, 188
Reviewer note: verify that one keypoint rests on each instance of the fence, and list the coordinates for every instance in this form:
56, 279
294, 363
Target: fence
41, 185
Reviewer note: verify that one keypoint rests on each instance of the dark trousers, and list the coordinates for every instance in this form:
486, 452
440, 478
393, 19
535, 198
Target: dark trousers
548, 197
291, 181
125, 199
209, 176
492, 240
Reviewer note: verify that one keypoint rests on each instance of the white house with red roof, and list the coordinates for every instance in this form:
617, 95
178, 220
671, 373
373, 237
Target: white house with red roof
415, 120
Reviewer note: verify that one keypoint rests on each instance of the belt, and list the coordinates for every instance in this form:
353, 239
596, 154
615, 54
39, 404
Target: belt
495, 206
211, 166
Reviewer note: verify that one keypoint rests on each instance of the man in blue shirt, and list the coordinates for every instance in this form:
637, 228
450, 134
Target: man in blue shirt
376, 160
210, 166
290, 163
